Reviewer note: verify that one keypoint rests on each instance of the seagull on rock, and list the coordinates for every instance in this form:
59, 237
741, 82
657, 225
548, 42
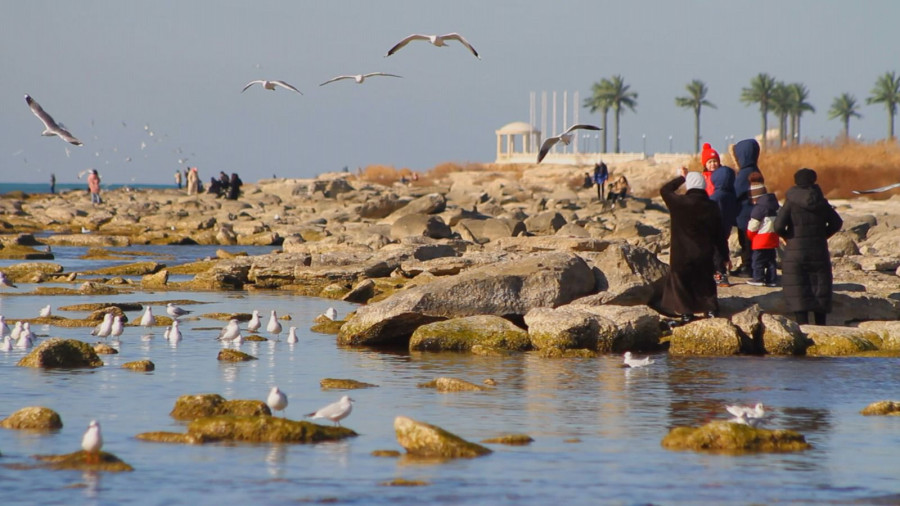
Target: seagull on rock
45, 311
565, 138
336, 411
331, 314
276, 400
175, 311
359, 78
4, 281
92, 441
148, 320
436, 40
270, 85
51, 127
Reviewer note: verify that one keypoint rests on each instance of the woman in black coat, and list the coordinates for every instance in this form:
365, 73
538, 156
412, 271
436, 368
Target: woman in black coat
697, 235
806, 221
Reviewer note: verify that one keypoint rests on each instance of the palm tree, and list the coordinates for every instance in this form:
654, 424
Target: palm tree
799, 105
599, 101
695, 100
760, 92
844, 107
619, 96
780, 103
887, 92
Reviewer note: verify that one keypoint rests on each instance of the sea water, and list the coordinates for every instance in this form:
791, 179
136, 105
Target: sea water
596, 426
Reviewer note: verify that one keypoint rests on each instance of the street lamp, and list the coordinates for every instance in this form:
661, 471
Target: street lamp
670, 144
644, 142
587, 138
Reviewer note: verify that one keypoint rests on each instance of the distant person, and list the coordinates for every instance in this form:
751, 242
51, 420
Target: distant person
193, 181
746, 154
234, 187
178, 178
601, 174
588, 181
806, 221
618, 189
215, 187
722, 181
223, 179
94, 186
761, 232
52, 183
696, 237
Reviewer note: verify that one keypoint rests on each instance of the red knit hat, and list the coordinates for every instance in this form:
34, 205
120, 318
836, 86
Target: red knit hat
707, 154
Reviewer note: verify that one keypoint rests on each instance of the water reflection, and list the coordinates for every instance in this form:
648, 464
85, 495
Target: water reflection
275, 460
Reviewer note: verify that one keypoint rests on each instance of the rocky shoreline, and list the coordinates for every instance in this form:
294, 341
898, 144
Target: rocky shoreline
501, 261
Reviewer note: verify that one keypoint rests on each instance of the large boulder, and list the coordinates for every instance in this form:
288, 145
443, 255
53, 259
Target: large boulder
423, 440
58, 352
726, 437
509, 289
713, 336
545, 223
837, 341
264, 429
191, 407
33, 418
462, 334
782, 336
626, 275
636, 328
417, 225
566, 328
886, 332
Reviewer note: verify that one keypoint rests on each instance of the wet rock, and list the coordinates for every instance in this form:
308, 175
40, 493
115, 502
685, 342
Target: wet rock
172, 437
891, 408
782, 336
403, 482
711, 336
423, 440
837, 341
156, 280
511, 439
635, 328
20, 273
385, 453
888, 332
140, 365
191, 407
33, 418
461, 334
567, 328
104, 349
58, 352
361, 293
133, 269
452, 385
229, 355
264, 429
343, 384
727, 437
83, 461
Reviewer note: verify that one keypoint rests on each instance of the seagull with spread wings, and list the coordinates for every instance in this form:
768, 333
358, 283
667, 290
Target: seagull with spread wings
436, 40
270, 85
51, 127
359, 78
878, 190
565, 138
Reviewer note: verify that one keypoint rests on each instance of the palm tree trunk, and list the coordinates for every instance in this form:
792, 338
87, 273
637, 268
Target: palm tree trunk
605, 130
765, 126
617, 129
793, 129
697, 130
846, 127
797, 133
890, 126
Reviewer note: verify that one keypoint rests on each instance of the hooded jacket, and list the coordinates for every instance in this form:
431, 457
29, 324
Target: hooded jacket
761, 228
806, 221
746, 152
724, 196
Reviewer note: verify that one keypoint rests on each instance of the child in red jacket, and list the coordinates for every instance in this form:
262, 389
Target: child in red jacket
761, 233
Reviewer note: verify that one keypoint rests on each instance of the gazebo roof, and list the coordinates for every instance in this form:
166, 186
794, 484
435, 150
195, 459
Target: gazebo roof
517, 127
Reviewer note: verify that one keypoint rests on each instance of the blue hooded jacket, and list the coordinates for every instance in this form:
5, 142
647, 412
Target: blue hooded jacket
747, 154
723, 180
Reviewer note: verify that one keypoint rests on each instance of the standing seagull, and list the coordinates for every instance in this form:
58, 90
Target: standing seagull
148, 320
230, 332
331, 314
51, 128
276, 400
274, 327
105, 326
45, 311
254, 324
4, 328
359, 78
270, 85
565, 138
92, 441
4, 281
175, 311
437, 40
174, 333
292, 335
336, 411
117, 327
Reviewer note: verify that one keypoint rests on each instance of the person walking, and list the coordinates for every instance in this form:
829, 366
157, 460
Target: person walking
601, 174
761, 232
94, 186
806, 221
696, 237
178, 178
746, 154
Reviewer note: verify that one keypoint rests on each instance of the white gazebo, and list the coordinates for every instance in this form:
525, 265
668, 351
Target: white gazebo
508, 150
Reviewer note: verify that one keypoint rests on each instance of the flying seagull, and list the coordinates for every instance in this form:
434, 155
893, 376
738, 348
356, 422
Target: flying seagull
565, 138
270, 85
359, 78
878, 190
437, 40
51, 127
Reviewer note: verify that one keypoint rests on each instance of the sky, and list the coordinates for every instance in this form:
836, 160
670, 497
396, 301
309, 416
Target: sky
113, 72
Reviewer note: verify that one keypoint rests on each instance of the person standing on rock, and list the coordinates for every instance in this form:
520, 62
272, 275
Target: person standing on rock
746, 155
193, 181
722, 181
94, 186
806, 221
234, 187
696, 238
52, 183
178, 178
601, 174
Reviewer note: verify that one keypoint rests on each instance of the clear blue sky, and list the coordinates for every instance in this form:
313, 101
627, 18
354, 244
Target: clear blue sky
179, 66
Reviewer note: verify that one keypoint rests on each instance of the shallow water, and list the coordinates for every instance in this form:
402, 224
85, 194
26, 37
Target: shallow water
597, 427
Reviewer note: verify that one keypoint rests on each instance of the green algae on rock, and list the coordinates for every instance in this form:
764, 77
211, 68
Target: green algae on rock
104, 349
511, 439
140, 365
430, 441
343, 384
58, 352
726, 437
264, 429
191, 407
891, 408
132, 269
228, 355
452, 385
385, 453
402, 482
33, 418
171, 437
461, 334
83, 461
326, 326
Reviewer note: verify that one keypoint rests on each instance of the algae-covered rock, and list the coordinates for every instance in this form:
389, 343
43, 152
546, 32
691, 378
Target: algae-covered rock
713, 336
133, 269
171, 437
343, 384
452, 385
104, 349
191, 407
228, 355
891, 408
512, 439
84, 461
727, 437
424, 440
838, 341
245, 407
155, 280
140, 365
58, 352
385, 453
326, 326
264, 429
403, 482
33, 418
461, 334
